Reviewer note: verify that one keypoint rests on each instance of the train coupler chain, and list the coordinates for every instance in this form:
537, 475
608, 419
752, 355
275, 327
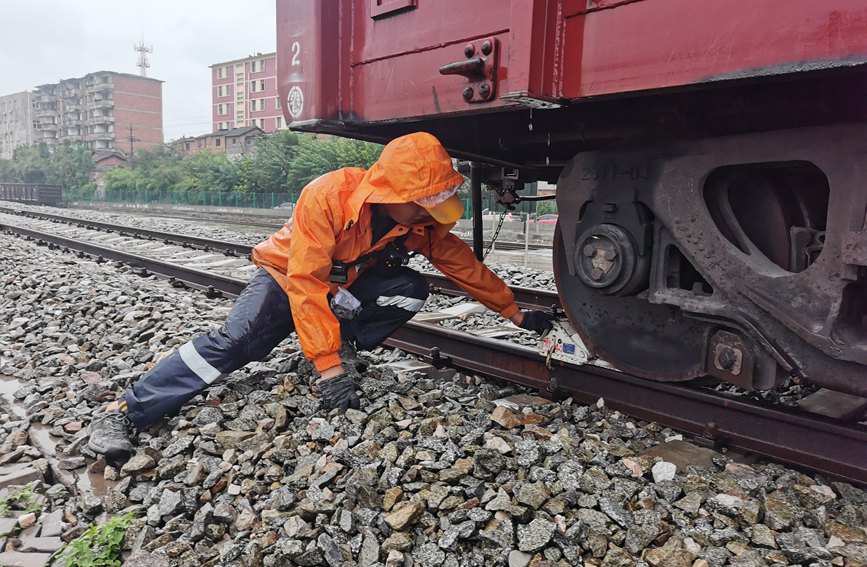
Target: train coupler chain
496, 234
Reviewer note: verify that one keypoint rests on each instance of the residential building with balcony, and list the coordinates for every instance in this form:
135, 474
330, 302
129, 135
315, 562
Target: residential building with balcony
104, 111
244, 94
16, 123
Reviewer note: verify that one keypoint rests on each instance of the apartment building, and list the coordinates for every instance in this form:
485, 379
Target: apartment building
103, 110
244, 94
16, 123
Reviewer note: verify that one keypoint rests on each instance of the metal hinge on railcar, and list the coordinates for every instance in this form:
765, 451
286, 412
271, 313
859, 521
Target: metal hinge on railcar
479, 68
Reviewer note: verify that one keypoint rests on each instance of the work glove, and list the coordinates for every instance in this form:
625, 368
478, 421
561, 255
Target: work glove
339, 392
538, 321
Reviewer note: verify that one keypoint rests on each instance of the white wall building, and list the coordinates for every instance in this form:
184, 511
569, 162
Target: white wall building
16, 123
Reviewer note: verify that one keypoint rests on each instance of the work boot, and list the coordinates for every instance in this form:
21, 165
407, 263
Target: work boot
110, 434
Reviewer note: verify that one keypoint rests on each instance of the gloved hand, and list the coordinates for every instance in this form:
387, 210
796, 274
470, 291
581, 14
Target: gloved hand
538, 321
339, 392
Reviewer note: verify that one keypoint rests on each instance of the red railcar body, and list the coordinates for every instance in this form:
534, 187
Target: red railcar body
708, 156
362, 65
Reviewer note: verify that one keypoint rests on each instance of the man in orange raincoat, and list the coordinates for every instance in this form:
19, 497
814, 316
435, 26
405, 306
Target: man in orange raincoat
350, 232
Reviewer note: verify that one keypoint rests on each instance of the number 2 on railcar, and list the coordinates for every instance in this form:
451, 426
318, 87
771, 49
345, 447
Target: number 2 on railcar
709, 158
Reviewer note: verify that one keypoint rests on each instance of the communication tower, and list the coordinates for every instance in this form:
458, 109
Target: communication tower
143, 50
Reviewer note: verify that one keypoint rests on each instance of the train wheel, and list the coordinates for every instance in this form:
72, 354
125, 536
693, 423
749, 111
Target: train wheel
740, 258
652, 341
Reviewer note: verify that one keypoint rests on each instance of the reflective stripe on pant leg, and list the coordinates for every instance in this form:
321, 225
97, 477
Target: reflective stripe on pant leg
258, 321
409, 303
197, 364
161, 391
387, 303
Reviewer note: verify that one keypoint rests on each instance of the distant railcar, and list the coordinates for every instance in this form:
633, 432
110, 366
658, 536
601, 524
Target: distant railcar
709, 157
32, 194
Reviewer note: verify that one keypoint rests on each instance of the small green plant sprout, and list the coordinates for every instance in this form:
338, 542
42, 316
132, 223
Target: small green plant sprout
24, 499
98, 546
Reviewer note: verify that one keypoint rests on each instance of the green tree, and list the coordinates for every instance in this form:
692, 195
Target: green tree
30, 163
121, 179
546, 207
205, 171
69, 166
315, 157
158, 170
284, 162
7, 170
246, 175
355, 153
269, 170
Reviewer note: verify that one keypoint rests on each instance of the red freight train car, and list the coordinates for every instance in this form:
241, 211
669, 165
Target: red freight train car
708, 154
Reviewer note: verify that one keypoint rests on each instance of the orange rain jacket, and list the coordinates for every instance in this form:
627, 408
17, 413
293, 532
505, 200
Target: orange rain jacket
332, 221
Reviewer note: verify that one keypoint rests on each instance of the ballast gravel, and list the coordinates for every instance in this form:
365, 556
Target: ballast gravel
435, 469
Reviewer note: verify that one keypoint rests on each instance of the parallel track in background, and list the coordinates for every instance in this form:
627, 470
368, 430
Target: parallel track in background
240, 249
527, 297
783, 434
169, 237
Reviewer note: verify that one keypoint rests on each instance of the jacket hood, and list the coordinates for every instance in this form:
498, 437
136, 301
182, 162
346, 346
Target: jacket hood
410, 168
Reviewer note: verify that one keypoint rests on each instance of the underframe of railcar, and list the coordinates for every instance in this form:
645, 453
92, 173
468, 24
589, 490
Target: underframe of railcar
540, 142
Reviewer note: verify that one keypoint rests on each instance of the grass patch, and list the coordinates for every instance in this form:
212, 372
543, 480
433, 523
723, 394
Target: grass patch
23, 500
99, 546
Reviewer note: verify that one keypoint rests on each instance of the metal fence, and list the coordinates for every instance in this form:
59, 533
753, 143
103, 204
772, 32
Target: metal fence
231, 199
192, 198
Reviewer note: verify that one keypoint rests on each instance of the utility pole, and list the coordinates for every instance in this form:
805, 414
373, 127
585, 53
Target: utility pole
132, 139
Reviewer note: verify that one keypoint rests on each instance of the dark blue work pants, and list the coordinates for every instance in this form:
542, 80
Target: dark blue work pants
258, 322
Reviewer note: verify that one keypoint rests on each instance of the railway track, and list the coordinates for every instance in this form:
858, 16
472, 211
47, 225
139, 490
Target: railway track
182, 265
269, 225
784, 434
237, 248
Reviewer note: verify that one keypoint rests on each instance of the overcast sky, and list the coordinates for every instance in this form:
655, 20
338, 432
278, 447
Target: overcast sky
43, 41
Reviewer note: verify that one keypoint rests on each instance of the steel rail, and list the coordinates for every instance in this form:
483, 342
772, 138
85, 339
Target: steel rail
187, 240
239, 219
187, 276
183, 239
526, 297
782, 434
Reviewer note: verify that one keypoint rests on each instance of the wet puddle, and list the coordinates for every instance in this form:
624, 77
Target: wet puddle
8, 385
41, 438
